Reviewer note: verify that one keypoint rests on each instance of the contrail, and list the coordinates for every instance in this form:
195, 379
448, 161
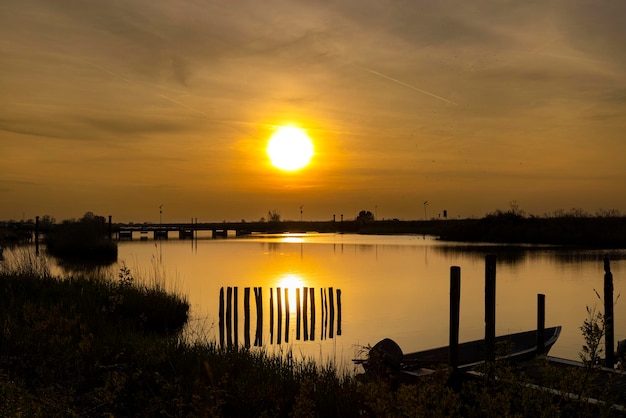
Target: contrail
405, 84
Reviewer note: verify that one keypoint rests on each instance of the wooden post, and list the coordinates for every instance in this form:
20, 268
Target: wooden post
279, 315
609, 336
541, 323
298, 313
246, 315
490, 308
258, 336
338, 311
236, 315
229, 316
287, 315
331, 305
271, 316
312, 294
455, 314
322, 312
305, 310
221, 317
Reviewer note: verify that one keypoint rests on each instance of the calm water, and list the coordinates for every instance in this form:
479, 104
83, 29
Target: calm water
391, 286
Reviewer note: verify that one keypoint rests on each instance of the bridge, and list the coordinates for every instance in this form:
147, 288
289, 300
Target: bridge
221, 229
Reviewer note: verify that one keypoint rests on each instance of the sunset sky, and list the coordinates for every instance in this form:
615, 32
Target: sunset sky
118, 107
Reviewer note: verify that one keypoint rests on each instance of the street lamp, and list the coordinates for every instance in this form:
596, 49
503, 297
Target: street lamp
425, 204
160, 214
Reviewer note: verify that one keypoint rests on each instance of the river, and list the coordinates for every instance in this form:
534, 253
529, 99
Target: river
387, 286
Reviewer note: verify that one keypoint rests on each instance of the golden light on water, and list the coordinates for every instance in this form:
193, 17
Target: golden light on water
291, 282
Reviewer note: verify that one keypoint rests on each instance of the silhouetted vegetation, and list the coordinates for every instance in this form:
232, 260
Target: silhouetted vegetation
86, 240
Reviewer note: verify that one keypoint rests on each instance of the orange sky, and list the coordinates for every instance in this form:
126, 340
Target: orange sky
119, 107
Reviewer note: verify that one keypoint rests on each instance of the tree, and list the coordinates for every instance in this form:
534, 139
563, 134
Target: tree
365, 216
273, 216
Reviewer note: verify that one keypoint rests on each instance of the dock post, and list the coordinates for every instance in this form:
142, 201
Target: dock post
287, 314
455, 314
229, 316
541, 323
298, 313
305, 311
271, 316
221, 317
246, 317
338, 311
331, 305
236, 316
609, 332
279, 316
490, 308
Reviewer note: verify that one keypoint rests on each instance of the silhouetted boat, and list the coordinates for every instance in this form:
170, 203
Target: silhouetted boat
518, 347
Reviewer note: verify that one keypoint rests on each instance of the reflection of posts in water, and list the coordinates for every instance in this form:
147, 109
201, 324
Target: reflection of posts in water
305, 307
338, 311
221, 317
259, 316
229, 316
246, 315
236, 315
287, 315
298, 313
331, 302
271, 316
279, 314
312, 294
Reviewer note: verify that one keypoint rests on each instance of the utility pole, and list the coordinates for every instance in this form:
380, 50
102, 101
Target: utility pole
301, 212
160, 214
425, 204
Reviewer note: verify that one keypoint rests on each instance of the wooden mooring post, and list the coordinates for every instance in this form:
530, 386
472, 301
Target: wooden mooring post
279, 316
331, 303
338, 311
609, 330
305, 319
490, 308
455, 315
287, 314
312, 297
221, 317
246, 317
298, 313
236, 316
258, 336
541, 322
229, 316
271, 316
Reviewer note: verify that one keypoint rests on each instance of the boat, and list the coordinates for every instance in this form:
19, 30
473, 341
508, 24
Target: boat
518, 347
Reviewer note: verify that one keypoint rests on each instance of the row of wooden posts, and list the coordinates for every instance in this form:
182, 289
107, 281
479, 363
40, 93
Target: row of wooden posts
490, 313
330, 311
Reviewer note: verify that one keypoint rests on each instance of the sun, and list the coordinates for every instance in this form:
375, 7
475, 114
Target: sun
290, 148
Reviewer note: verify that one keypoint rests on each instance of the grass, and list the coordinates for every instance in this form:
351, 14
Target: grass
88, 346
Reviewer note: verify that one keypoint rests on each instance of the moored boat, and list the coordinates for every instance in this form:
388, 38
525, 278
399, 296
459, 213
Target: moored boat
517, 347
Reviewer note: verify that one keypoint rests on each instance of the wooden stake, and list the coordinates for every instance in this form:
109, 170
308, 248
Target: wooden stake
609, 336
455, 313
490, 308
